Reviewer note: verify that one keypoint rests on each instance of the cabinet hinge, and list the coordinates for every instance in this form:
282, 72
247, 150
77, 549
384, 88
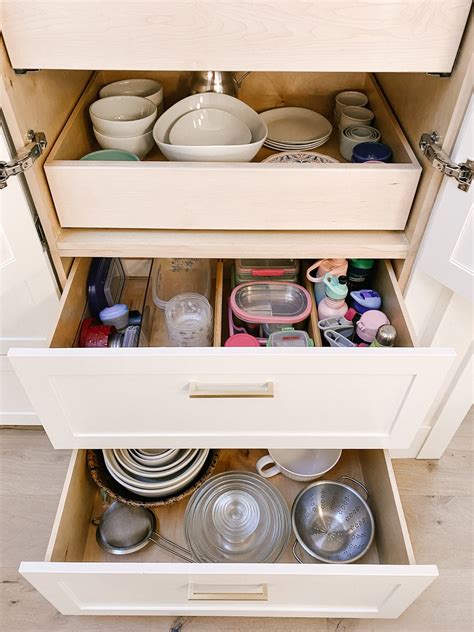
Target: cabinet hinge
41, 235
430, 144
24, 158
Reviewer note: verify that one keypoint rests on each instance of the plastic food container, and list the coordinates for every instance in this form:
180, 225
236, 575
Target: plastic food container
266, 269
116, 316
260, 302
189, 320
179, 275
290, 338
104, 283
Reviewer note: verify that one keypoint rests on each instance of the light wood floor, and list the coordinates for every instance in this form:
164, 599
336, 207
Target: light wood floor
437, 497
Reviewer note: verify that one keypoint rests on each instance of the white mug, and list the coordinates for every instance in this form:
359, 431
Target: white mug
299, 465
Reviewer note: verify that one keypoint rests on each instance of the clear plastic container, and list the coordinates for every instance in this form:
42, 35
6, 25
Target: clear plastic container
266, 269
270, 302
176, 276
189, 320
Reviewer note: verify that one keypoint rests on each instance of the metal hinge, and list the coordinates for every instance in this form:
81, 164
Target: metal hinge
430, 144
24, 159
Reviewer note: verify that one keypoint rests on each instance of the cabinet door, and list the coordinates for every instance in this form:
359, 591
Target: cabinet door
28, 290
447, 250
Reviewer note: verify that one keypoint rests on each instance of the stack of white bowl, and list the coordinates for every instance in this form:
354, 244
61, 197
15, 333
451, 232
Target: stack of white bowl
155, 473
210, 127
124, 115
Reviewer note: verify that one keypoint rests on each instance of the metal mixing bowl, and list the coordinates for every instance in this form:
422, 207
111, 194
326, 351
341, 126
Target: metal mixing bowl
332, 522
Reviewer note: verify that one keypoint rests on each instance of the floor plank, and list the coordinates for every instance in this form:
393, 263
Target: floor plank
437, 497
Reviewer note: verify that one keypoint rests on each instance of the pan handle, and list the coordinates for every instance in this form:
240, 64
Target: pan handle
173, 548
354, 480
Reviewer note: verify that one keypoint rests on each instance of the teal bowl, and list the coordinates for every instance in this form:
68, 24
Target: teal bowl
110, 154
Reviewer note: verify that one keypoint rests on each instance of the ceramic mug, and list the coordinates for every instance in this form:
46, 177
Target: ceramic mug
299, 465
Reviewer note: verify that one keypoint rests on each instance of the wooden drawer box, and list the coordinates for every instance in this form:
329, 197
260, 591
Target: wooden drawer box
158, 396
328, 35
77, 577
158, 194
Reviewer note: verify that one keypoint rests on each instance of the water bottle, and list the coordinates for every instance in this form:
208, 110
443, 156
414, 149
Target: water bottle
358, 273
333, 304
385, 336
323, 267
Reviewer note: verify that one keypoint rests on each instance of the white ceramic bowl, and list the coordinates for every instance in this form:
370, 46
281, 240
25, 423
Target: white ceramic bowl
209, 126
355, 115
348, 97
123, 116
147, 88
139, 145
352, 136
213, 153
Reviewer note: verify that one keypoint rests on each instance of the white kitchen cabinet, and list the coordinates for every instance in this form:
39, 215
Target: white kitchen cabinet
79, 578
300, 53
218, 397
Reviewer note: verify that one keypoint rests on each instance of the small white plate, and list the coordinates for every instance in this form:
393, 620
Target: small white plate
296, 125
207, 127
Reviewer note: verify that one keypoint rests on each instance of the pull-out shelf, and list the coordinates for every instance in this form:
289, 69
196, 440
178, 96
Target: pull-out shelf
160, 396
77, 577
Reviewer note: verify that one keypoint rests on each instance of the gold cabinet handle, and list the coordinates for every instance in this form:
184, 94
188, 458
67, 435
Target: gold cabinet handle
197, 390
231, 592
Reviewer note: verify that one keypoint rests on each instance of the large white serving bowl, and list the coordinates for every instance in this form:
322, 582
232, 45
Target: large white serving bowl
212, 153
138, 145
147, 88
209, 126
123, 116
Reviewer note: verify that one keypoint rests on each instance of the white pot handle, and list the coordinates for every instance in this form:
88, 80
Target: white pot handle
267, 472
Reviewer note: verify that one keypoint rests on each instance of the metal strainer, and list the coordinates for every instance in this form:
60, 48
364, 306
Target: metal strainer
332, 522
123, 529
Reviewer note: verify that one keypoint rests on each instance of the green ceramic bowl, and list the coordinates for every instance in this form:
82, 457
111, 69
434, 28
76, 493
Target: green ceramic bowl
110, 154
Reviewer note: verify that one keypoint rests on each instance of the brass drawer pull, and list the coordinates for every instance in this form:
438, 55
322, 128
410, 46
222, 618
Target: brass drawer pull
197, 390
231, 592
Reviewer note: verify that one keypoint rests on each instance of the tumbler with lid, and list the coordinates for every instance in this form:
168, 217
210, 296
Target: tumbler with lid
189, 320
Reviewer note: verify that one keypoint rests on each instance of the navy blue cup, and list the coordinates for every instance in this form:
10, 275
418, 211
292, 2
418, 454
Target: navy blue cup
371, 151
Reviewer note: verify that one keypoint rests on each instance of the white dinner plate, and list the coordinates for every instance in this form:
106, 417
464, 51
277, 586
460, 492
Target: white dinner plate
296, 125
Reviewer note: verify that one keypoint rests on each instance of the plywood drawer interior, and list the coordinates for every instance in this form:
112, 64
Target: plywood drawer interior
157, 194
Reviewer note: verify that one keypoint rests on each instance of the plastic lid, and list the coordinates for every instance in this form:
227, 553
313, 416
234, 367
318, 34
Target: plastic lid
369, 324
241, 340
290, 338
363, 264
369, 299
336, 287
115, 311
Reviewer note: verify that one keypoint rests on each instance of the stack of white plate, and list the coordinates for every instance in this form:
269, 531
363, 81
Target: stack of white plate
295, 129
155, 473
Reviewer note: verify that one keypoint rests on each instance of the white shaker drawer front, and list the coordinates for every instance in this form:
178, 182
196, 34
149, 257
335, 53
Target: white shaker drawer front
159, 396
158, 194
79, 578
328, 35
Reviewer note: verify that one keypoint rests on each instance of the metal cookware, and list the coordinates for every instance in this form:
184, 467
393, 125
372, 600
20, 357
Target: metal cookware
215, 81
123, 529
332, 522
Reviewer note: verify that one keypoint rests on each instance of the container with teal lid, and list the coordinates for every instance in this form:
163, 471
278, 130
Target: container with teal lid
290, 337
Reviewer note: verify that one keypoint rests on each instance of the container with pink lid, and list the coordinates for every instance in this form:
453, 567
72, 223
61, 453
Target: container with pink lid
267, 302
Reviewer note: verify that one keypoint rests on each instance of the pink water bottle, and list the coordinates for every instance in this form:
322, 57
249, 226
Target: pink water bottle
333, 304
323, 266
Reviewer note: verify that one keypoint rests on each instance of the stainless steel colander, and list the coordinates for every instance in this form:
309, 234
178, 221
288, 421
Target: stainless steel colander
332, 522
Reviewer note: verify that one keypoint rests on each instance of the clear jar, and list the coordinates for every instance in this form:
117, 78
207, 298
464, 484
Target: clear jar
189, 320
